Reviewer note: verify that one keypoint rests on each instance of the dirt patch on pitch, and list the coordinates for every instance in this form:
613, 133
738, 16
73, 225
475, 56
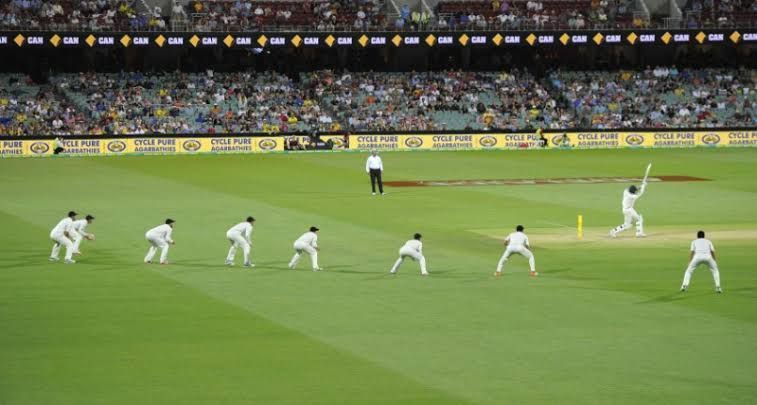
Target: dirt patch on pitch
656, 237
535, 182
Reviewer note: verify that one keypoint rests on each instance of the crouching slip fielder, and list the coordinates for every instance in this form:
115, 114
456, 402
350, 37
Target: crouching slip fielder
240, 236
308, 242
80, 232
160, 237
629, 213
414, 250
517, 242
702, 251
62, 235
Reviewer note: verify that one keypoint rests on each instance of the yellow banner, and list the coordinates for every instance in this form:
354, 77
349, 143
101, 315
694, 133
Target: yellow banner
245, 144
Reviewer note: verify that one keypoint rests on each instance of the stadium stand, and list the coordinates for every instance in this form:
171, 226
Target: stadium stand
267, 102
535, 14
660, 98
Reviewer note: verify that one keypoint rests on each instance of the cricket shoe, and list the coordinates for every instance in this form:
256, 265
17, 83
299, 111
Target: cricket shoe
318, 269
229, 263
164, 263
53, 259
424, 274
148, 261
497, 274
77, 253
373, 193
641, 235
719, 290
248, 264
291, 266
69, 261
684, 288
613, 234
533, 274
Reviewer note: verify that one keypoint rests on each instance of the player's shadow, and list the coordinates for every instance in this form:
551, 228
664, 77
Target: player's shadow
672, 297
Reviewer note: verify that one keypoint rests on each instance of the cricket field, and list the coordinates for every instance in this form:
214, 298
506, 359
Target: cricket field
604, 323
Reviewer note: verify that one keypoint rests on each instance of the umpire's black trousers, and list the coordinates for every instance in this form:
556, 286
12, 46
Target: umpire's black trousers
376, 176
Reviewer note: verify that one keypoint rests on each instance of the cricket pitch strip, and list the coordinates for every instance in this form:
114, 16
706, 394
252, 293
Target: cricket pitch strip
664, 236
535, 182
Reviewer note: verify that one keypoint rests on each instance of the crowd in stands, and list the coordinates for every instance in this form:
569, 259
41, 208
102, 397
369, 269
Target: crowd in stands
28, 109
326, 101
94, 15
661, 97
536, 14
720, 13
234, 15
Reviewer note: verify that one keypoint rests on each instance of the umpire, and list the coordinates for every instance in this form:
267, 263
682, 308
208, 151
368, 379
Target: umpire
374, 167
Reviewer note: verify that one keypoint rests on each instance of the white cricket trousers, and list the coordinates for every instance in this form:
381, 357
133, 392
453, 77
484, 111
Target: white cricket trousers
237, 241
77, 241
300, 247
156, 243
630, 215
413, 254
61, 240
696, 261
521, 250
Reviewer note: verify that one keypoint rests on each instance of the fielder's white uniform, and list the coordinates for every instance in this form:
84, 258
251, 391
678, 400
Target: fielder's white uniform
517, 243
240, 235
414, 250
58, 235
159, 237
79, 233
702, 249
308, 242
630, 214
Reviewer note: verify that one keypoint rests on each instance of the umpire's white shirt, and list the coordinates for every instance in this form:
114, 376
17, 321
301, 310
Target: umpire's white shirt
373, 163
160, 233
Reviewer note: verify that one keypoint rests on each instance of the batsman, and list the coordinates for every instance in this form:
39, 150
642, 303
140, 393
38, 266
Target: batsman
630, 195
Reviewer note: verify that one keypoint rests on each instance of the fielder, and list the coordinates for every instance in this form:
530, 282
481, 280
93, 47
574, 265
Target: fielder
308, 242
160, 237
240, 235
629, 213
517, 242
414, 250
702, 251
80, 232
62, 235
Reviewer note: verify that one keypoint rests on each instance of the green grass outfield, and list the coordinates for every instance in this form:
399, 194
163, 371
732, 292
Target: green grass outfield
603, 324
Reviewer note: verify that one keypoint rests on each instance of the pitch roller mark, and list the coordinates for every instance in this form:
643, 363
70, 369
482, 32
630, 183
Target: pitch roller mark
532, 182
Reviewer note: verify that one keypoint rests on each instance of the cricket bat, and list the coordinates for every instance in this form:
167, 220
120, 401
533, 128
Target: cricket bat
646, 174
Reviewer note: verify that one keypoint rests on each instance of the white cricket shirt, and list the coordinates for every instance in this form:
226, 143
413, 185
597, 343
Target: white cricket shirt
374, 162
629, 199
517, 239
308, 238
413, 244
242, 228
65, 225
160, 232
702, 247
80, 226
